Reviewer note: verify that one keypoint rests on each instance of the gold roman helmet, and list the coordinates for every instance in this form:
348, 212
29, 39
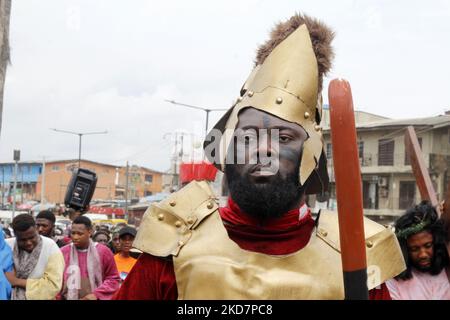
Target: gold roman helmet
286, 82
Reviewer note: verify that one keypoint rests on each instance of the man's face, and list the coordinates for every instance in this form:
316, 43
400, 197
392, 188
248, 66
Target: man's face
101, 238
421, 250
74, 214
116, 242
260, 187
44, 227
27, 240
80, 235
126, 242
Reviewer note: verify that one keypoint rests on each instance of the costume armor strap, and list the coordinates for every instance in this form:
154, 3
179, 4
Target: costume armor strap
167, 226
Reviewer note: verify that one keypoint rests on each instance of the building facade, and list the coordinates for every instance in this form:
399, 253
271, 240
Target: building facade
111, 180
26, 180
57, 175
142, 182
389, 186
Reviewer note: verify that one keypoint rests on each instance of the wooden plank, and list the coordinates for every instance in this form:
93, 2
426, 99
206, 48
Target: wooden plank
419, 168
446, 206
446, 214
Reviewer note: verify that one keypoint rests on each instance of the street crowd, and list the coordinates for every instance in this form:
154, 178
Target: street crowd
92, 261
87, 262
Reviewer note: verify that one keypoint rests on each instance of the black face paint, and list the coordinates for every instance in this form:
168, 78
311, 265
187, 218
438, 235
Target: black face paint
268, 195
290, 154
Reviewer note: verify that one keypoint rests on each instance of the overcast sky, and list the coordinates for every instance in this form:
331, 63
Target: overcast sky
97, 65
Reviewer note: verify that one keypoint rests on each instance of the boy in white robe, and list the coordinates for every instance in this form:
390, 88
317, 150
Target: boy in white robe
38, 262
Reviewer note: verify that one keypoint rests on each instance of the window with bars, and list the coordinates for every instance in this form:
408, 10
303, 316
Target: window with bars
407, 194
407, 157
386, 152
361, 149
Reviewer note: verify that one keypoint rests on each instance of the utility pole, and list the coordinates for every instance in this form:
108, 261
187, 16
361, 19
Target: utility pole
177, 156
79, 134
126, 191
175, 163
3, 186
16, 160
79, 150
21, 185
180, 155
60, 189
43, 184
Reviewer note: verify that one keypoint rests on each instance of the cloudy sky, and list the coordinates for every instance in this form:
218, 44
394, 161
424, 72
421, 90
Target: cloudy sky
94, 65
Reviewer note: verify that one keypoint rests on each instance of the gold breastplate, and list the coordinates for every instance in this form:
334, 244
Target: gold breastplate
209, 265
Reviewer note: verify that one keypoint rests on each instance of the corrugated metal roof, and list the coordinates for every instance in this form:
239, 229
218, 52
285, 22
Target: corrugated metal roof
22, 162
440, 121
76, 160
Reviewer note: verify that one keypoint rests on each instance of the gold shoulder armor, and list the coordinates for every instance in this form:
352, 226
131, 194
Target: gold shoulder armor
384, 256
167, 226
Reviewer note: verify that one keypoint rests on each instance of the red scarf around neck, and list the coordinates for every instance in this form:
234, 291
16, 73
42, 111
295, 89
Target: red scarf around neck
276, 236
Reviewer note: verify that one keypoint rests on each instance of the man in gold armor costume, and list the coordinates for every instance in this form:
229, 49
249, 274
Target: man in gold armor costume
264, 244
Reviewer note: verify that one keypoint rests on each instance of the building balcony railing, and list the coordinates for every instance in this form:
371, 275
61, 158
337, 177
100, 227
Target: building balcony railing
393, 160
393, 206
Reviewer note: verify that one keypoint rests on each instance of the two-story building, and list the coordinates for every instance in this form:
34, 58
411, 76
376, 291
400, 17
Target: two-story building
26, 180
388, 182
142, 182
57, 175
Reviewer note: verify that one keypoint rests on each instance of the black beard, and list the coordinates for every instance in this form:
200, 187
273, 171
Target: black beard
422, 269
269, 200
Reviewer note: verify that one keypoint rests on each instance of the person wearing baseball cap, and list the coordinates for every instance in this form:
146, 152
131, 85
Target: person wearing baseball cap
124, 261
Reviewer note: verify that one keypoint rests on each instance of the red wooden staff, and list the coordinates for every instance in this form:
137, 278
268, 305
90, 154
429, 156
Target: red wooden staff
348, 190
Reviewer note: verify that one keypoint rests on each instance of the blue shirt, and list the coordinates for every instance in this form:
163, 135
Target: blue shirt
6, 265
